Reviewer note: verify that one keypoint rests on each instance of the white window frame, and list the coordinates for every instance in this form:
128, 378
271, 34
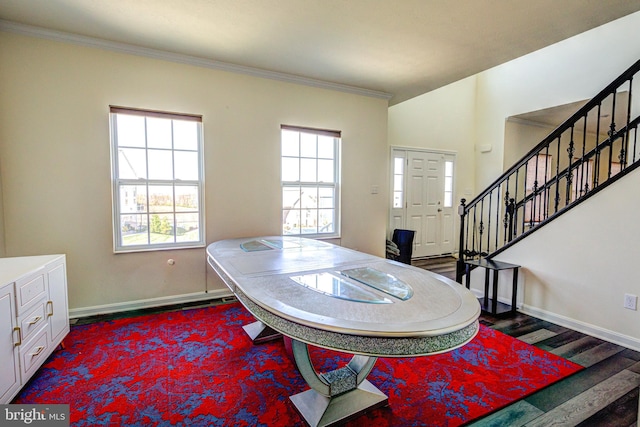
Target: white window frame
118, 182
447, 196
333, 186
397, 193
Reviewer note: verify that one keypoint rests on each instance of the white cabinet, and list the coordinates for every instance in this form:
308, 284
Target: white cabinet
9, 361
34, 317
57, 307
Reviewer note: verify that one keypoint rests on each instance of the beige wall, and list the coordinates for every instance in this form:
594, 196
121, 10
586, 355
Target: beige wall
2, 250
565, 279
572, 70
520, 137
577, 269
441, 120
55, 160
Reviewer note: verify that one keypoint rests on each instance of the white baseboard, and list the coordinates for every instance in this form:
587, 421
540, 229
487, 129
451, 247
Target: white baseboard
576, 325
147, 303
585, 328
480, 294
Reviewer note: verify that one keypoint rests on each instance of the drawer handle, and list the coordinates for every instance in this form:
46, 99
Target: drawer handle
38, 351
50, 304
17, 328
35, 320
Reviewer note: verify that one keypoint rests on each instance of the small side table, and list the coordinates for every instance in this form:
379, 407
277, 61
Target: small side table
491, 305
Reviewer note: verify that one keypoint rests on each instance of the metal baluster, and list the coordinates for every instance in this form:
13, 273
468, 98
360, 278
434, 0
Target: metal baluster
534, 194
612, 133
461, 245
506, 220
570, 151
635, 140
514, 220
481, 228
498, 214
557, 198
633, 158
546, 182
596, 166
584, 187
625, 138
473, 238
525, 195
467, 233
489, 223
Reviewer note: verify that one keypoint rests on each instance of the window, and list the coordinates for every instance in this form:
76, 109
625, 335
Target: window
448, 183
157, 174
310, 182
616, 167
538, 173
398, 182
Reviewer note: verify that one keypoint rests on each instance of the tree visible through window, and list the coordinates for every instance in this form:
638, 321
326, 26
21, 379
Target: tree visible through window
310, 181
157, 180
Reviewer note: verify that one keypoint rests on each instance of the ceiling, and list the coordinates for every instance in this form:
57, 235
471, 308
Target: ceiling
398, 48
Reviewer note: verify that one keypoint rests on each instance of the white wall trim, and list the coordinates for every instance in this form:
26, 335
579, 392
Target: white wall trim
576, 325
531, 123
33, 31
585, 328
147, 303
396, 212
422, 149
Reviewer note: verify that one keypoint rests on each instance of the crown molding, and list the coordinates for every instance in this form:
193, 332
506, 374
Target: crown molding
60, 36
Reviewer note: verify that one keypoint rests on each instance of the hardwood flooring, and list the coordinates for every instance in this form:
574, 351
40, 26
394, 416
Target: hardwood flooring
605, 393
445, 266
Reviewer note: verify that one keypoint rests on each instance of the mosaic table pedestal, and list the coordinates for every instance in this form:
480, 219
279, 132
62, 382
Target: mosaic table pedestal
337, 396
261, 333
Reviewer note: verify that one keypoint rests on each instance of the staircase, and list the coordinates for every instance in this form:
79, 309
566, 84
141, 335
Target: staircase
591, 150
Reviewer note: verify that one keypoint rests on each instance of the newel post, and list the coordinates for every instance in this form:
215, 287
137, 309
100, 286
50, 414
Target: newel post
460, 267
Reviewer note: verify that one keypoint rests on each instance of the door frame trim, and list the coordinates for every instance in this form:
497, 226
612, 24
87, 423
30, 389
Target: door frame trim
392, 149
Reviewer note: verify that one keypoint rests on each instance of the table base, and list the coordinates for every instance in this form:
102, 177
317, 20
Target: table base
319, 410
261, 333
336, 396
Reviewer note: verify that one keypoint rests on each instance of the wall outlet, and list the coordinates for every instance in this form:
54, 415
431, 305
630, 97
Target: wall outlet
630, 301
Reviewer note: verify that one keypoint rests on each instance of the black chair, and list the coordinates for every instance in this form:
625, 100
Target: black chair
404, 240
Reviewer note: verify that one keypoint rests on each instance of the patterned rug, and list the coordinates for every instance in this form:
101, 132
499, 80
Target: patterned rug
198, 368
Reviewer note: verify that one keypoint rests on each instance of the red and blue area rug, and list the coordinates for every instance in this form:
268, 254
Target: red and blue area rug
198, 368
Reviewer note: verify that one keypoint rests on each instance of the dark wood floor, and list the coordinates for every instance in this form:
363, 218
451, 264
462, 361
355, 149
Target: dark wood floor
445, 266
605, 393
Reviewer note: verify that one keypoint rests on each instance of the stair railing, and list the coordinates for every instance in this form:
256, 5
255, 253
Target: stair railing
580, 157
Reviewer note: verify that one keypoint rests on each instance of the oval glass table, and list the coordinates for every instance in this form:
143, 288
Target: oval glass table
320, 294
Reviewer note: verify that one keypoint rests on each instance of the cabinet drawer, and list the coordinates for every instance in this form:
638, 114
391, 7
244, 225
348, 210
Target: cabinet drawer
33, 354
34, 320
29, 290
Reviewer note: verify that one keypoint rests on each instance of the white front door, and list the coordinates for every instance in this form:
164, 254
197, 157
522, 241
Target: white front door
428, 186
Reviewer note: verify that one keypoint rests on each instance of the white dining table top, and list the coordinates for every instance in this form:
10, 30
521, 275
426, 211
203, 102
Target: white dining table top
270, 271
